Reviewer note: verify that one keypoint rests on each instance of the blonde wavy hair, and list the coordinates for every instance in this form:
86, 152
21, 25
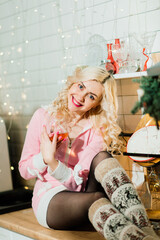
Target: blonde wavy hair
104, 116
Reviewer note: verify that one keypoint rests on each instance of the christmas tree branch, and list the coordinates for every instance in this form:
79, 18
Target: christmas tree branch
150, 101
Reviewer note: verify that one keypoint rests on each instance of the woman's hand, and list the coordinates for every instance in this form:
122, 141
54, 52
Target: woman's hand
48, 149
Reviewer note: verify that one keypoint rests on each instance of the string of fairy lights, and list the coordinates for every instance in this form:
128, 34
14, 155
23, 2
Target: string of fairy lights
15, 77
14, 54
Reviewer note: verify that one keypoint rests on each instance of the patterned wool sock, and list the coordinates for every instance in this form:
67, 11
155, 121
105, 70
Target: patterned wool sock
113, 225
122, 193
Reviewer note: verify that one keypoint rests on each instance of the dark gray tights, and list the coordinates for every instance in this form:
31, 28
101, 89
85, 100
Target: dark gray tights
68, 210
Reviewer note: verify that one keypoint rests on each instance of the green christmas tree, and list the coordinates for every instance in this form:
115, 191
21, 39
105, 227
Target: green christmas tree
150, 100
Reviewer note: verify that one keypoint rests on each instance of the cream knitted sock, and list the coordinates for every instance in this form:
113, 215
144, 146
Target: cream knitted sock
113, 225
122, 193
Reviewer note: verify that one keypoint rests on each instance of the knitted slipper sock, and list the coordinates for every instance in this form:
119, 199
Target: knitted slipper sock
113, 225
122, 193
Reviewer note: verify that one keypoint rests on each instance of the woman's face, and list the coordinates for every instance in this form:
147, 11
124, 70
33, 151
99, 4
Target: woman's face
82, 96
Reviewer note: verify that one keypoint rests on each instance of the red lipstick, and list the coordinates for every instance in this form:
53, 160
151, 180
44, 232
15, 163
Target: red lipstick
76, 103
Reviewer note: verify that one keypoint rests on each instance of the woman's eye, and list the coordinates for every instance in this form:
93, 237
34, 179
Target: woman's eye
91, 97
80, 86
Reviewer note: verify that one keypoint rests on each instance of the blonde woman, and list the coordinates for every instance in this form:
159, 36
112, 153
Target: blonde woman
76, 174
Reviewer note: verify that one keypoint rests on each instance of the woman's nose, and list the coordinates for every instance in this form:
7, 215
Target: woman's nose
82, 96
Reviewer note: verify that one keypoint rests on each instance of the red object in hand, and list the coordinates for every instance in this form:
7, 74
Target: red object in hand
60, 138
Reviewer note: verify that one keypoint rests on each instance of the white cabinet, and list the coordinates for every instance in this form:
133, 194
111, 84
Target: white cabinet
6, 234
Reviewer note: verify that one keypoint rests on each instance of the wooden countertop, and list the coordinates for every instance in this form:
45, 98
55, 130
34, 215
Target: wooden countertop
25, 223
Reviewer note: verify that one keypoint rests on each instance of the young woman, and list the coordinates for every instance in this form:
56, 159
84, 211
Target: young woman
68, 149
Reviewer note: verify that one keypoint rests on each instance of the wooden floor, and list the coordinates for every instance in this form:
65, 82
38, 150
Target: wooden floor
25, 223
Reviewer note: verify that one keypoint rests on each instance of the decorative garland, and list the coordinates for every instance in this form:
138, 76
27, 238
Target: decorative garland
150, 100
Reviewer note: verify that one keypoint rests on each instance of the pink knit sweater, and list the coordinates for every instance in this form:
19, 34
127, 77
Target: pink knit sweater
31, 165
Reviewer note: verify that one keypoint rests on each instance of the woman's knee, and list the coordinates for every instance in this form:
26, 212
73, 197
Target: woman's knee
100, 157
103, 155
98, 195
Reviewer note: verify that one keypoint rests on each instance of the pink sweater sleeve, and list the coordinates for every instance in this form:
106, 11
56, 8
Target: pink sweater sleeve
31, 164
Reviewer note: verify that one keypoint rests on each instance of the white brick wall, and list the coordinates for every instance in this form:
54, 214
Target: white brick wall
57, 34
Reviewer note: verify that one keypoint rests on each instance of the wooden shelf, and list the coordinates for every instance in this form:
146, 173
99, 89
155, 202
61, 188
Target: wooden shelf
129, 75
